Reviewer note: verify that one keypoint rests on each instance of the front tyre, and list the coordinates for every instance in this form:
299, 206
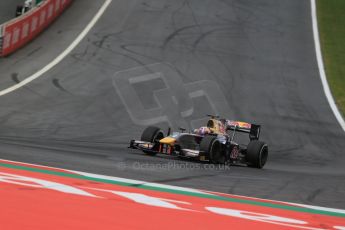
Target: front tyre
152, 134
213, 148
257, 154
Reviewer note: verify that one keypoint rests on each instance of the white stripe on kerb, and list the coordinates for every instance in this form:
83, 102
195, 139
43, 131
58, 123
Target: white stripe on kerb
138, 182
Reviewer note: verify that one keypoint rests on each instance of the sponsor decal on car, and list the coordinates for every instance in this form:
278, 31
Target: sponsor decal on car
240, 124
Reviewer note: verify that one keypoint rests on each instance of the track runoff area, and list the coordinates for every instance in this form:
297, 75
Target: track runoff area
39, 197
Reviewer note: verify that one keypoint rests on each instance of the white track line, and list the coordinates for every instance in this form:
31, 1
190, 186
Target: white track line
284, 202
322, 68
59, 58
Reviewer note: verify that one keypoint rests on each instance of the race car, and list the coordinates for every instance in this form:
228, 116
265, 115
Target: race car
213, 142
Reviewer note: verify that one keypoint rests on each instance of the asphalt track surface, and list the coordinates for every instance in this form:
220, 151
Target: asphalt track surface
178, 60
8, 9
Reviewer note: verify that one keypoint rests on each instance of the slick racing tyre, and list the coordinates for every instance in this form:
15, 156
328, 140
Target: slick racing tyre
257, 154
152, 134
213, 147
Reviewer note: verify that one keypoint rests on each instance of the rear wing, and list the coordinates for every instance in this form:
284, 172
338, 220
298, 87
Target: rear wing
244, 127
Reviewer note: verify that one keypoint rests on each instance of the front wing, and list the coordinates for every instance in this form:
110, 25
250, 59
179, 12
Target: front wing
155, 148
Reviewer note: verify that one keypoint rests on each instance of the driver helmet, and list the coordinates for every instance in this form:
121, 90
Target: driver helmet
203, 131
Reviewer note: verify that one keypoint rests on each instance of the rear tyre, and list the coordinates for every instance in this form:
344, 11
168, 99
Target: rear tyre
152, 134
257, 154
213, 148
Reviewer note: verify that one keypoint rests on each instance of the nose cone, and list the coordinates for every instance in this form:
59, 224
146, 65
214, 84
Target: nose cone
168, 141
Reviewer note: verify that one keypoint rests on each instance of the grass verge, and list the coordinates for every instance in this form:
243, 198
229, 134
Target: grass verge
331, 19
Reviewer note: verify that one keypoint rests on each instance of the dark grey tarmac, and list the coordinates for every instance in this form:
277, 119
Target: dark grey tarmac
8, 9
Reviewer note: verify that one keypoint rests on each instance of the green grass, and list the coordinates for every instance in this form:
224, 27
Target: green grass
331, 19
